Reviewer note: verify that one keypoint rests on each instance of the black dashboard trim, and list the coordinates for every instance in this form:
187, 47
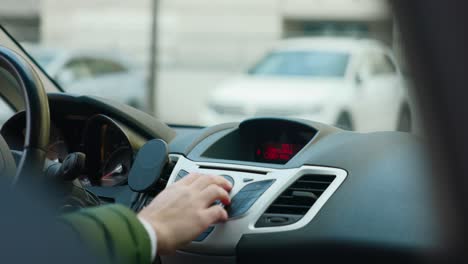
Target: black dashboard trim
185, 144
391, 215
141, 122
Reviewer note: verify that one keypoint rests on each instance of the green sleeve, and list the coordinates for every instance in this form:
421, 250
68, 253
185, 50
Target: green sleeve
112, 232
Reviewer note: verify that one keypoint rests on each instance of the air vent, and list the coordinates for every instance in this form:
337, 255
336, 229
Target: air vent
295, 201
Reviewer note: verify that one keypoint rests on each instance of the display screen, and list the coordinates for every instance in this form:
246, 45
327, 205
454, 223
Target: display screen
262, 140
277, 152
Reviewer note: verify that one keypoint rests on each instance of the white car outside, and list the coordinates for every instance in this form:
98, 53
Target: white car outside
100, 74
352, 83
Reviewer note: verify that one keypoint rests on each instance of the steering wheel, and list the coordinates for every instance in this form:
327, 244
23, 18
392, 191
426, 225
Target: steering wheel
37, 120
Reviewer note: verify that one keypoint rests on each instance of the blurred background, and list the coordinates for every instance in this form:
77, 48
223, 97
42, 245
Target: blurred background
211, 61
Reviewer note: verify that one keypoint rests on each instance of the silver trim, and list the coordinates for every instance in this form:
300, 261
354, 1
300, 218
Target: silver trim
225, 236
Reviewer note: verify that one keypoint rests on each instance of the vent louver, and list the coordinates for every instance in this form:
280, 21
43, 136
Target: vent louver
295, 201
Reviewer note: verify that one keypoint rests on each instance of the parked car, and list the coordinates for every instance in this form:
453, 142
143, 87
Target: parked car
93, 73
352, 83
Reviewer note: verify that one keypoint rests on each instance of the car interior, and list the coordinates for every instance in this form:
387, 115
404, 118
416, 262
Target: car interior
302, 190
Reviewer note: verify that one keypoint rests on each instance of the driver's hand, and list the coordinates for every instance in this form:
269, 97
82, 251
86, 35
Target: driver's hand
184, 210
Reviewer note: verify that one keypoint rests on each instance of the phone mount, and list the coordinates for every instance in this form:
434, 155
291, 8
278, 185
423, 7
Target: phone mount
148, 166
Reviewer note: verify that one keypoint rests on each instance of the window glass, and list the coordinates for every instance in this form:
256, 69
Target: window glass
5, 112
302, 63
234, 59
44, 59
99, 67
78, 69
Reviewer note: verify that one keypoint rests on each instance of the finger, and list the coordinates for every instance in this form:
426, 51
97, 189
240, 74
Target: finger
189, 179
206, 180
215, 214
214, 192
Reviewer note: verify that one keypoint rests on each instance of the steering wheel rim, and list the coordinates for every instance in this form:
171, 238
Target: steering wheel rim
37, 114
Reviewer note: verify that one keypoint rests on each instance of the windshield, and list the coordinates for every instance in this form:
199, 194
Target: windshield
44, 59
302, 63
189, 63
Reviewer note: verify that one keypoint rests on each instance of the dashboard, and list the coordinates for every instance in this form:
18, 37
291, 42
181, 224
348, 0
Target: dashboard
14, 131
301, 189
109, 146
263, 141
109, 151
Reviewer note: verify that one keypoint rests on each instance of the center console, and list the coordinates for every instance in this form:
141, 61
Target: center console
262, 200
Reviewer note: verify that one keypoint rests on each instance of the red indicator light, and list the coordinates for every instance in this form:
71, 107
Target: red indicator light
279, 152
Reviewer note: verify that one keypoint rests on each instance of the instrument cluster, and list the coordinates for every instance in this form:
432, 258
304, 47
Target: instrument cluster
109, 152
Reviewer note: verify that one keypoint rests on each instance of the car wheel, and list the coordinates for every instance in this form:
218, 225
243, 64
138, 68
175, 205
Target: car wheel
404, 120
345, 122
